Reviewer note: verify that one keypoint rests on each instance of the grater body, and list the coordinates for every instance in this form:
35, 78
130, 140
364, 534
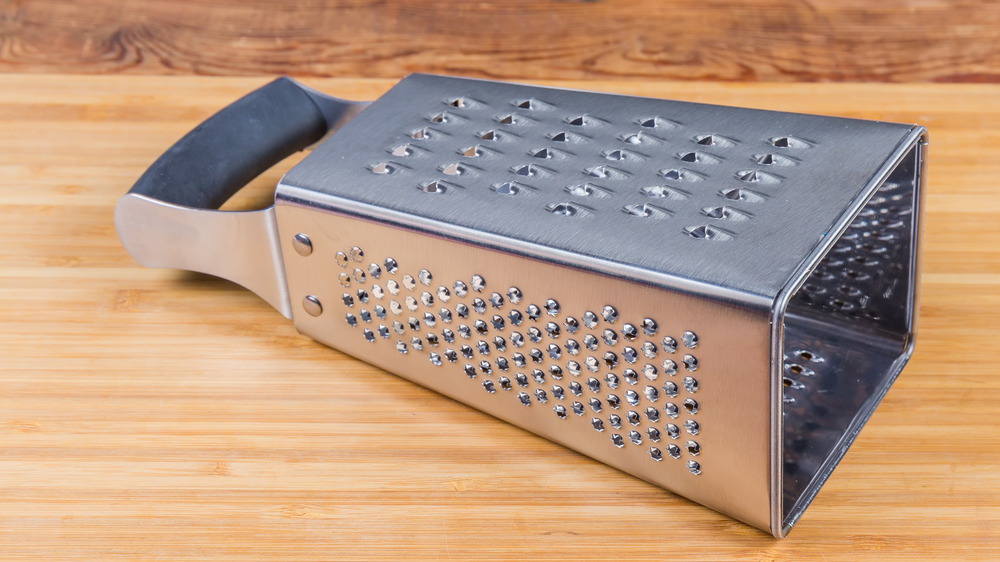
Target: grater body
674, 289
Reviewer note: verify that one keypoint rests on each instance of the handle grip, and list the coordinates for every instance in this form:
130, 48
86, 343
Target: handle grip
167, 218
217, 158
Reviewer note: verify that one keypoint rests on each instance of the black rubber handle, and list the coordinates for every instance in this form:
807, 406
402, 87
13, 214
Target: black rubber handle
220, 156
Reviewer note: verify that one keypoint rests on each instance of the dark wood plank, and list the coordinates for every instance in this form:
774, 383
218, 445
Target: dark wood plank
760, 40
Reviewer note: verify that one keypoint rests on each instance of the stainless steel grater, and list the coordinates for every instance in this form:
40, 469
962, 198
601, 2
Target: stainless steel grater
712, 299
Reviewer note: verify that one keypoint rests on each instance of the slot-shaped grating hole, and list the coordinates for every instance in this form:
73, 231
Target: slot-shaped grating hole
789, 142
588, 190
646, 210
725, 212
708, 232
436, 187
383, 168
569, 210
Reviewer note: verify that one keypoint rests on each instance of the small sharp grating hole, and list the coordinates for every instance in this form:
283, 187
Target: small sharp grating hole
670, 409
690, 363
669, 367
488, 135
690, 384
693, 467
693, 448
542, 153
692, 427
457, 102
673, 431
690, 339
578, 121
691, 405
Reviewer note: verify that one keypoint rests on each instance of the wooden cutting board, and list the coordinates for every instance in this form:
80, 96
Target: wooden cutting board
162, 414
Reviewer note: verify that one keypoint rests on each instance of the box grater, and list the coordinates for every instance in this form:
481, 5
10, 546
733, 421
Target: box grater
712, 299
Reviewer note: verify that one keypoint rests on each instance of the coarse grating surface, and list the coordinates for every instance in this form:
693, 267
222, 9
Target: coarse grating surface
729, 196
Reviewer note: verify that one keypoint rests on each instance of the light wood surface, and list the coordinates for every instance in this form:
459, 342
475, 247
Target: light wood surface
160, 414
731, 40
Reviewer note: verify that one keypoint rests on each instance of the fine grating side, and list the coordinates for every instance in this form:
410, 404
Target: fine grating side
623, 378
655, 184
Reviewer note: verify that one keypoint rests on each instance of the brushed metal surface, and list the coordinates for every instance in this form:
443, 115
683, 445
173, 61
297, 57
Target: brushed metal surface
792, 194
732, 393
236, 245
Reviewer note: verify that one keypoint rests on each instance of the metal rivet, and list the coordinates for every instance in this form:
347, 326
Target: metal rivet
302, 244
312, 305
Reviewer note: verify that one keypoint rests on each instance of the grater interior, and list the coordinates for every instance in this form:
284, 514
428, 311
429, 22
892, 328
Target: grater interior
712, 299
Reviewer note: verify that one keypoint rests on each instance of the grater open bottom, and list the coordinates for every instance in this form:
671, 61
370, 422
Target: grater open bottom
846, 335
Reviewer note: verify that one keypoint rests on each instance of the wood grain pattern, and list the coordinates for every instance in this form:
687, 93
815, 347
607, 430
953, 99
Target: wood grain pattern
159, 414
722, 40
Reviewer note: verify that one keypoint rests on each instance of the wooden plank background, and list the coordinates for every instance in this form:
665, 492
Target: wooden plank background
156, 414
730, 40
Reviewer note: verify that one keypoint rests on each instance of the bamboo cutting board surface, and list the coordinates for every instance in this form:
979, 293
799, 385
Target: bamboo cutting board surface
163, 414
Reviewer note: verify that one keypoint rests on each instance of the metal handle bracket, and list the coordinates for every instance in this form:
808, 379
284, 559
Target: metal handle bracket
241, 246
